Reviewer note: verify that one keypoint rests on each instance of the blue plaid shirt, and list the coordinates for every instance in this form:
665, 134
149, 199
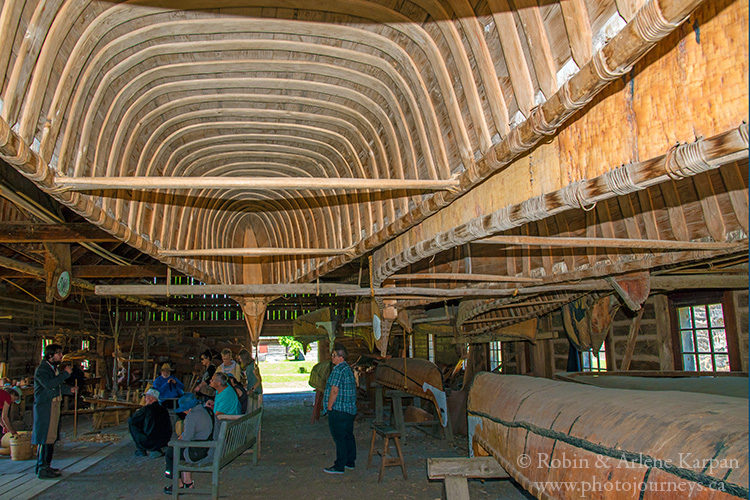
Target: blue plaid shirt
342, 377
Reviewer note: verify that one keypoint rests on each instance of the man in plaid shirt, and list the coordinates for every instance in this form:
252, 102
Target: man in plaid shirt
340, 402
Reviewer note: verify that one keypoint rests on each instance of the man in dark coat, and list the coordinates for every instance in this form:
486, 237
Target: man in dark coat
48, 391
150, 426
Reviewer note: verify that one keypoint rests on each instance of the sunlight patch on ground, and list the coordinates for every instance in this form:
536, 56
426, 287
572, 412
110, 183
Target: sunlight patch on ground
285, 376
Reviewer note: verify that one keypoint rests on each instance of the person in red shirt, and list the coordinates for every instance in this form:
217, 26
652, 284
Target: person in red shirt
8, 397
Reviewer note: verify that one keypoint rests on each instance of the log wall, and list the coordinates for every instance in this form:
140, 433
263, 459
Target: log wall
650, 352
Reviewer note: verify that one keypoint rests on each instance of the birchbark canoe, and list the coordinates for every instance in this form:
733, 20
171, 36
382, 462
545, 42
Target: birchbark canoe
418, 377
564, 440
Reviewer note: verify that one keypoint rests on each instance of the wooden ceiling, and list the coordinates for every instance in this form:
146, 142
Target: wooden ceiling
445, 92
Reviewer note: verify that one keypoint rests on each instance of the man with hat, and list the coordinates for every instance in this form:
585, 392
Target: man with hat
199, 426
8, 396
168, 386
48, 391
150, 426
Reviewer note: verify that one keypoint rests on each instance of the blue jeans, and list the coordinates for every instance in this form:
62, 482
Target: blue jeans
341, 425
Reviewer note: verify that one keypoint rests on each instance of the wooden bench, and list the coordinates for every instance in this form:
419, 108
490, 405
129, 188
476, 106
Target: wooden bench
234, 438
387, 433
456, 471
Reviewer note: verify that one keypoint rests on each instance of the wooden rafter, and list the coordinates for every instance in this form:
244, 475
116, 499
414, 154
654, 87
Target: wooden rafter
24, 232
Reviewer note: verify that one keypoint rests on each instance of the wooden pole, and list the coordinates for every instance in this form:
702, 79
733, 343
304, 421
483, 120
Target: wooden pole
254, 252
145, 348
255, 183
463, 277
657, 283
75, 411
625, 243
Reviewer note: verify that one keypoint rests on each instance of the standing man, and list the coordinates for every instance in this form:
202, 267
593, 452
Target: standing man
48, 391
340, 402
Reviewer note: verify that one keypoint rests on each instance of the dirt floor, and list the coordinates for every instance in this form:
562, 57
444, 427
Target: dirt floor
293, 455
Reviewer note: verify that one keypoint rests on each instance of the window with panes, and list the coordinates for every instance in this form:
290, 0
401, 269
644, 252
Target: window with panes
703, 338
496, 355
594, 362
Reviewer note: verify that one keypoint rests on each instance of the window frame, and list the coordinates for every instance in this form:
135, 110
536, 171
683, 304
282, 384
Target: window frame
590, 352
499, 351
684, 299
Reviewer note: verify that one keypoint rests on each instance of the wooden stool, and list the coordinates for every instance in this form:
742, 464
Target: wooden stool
387, 433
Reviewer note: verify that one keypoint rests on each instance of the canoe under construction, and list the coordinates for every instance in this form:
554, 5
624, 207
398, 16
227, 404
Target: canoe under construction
418, 377
563, 440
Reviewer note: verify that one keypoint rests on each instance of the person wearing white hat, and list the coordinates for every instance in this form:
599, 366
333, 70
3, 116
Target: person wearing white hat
150, 426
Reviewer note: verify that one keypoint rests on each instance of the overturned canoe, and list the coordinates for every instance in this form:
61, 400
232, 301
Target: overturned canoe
563, 440
418, 377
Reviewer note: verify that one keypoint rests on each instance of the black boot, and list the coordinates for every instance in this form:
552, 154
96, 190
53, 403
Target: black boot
50, 448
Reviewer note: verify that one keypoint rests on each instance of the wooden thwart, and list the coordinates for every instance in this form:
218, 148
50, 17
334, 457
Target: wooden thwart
326, 183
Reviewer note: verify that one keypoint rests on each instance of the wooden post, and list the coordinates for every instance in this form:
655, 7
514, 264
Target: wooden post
115, 347
635, 327
75, 410
663, 333
144, 370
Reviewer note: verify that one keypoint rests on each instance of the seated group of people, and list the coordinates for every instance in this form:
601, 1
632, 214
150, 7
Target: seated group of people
220, 393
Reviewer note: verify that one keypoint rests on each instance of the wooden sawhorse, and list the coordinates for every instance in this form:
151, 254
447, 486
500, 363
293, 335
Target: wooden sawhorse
386, 460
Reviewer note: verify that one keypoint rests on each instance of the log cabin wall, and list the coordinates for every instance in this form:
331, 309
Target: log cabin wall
649, 353
740, 301
25, 323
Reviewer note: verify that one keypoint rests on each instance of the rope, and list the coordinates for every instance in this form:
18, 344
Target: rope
685, 160
619, 181
603, 70
650, 23
534, 209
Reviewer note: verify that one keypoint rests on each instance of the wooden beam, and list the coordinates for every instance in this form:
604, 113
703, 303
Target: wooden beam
25, 232
38, 272
255, 183
483, 338
625, 243
463, 277
107, 271
345, 290
254, 252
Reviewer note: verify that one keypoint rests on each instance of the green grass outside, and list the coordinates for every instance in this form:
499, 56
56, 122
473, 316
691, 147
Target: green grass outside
286, 374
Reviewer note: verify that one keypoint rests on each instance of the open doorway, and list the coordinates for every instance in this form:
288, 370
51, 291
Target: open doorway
285, 364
